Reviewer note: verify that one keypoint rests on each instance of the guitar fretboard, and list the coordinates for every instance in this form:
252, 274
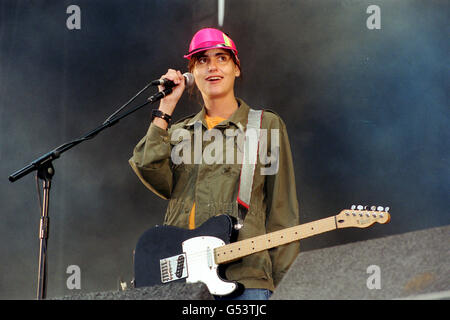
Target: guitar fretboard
237, 250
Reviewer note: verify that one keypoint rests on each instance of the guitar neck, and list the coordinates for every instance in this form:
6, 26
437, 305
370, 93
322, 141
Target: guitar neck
237, 250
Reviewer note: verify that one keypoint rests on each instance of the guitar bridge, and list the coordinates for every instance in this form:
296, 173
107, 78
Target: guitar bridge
173, 268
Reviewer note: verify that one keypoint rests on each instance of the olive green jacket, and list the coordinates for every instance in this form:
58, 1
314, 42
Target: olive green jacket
214, 188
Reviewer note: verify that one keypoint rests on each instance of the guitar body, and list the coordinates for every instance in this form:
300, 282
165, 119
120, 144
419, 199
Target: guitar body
165, 254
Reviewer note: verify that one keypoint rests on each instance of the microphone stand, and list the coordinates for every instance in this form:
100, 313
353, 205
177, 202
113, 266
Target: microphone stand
45, 171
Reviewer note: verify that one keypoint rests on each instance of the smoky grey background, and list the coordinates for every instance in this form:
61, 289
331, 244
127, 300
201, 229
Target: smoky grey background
366, 110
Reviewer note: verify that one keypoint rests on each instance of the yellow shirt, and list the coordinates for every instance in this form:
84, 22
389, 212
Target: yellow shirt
211, 123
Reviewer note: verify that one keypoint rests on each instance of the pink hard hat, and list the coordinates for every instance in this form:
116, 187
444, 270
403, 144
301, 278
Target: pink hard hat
210, 38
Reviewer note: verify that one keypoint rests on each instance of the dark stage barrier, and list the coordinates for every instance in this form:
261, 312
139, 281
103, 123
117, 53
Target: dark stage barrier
414, 264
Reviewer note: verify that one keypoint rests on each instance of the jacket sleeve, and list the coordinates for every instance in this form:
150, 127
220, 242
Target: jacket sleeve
151, 161
282, 205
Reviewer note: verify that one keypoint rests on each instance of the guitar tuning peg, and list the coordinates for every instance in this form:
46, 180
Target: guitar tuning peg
353, 207
386, 209
366, 207
380, 208
360, 207
373, 208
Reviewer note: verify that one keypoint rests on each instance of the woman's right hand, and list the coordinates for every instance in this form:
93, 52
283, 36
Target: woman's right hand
168, 103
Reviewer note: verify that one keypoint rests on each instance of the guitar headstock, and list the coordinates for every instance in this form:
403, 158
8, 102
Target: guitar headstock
362, 216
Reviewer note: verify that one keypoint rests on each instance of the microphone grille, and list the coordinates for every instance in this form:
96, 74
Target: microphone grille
189, 77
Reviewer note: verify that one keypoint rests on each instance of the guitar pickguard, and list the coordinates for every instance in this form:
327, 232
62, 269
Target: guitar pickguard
202, 267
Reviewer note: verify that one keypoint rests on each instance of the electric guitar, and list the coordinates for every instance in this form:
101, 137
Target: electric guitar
165, 253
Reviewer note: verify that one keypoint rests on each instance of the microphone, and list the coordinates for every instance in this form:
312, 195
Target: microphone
188, 80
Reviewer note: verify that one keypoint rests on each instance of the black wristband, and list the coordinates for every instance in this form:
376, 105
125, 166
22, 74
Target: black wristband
159, 114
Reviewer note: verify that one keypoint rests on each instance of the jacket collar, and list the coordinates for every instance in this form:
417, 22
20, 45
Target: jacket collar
238, 118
